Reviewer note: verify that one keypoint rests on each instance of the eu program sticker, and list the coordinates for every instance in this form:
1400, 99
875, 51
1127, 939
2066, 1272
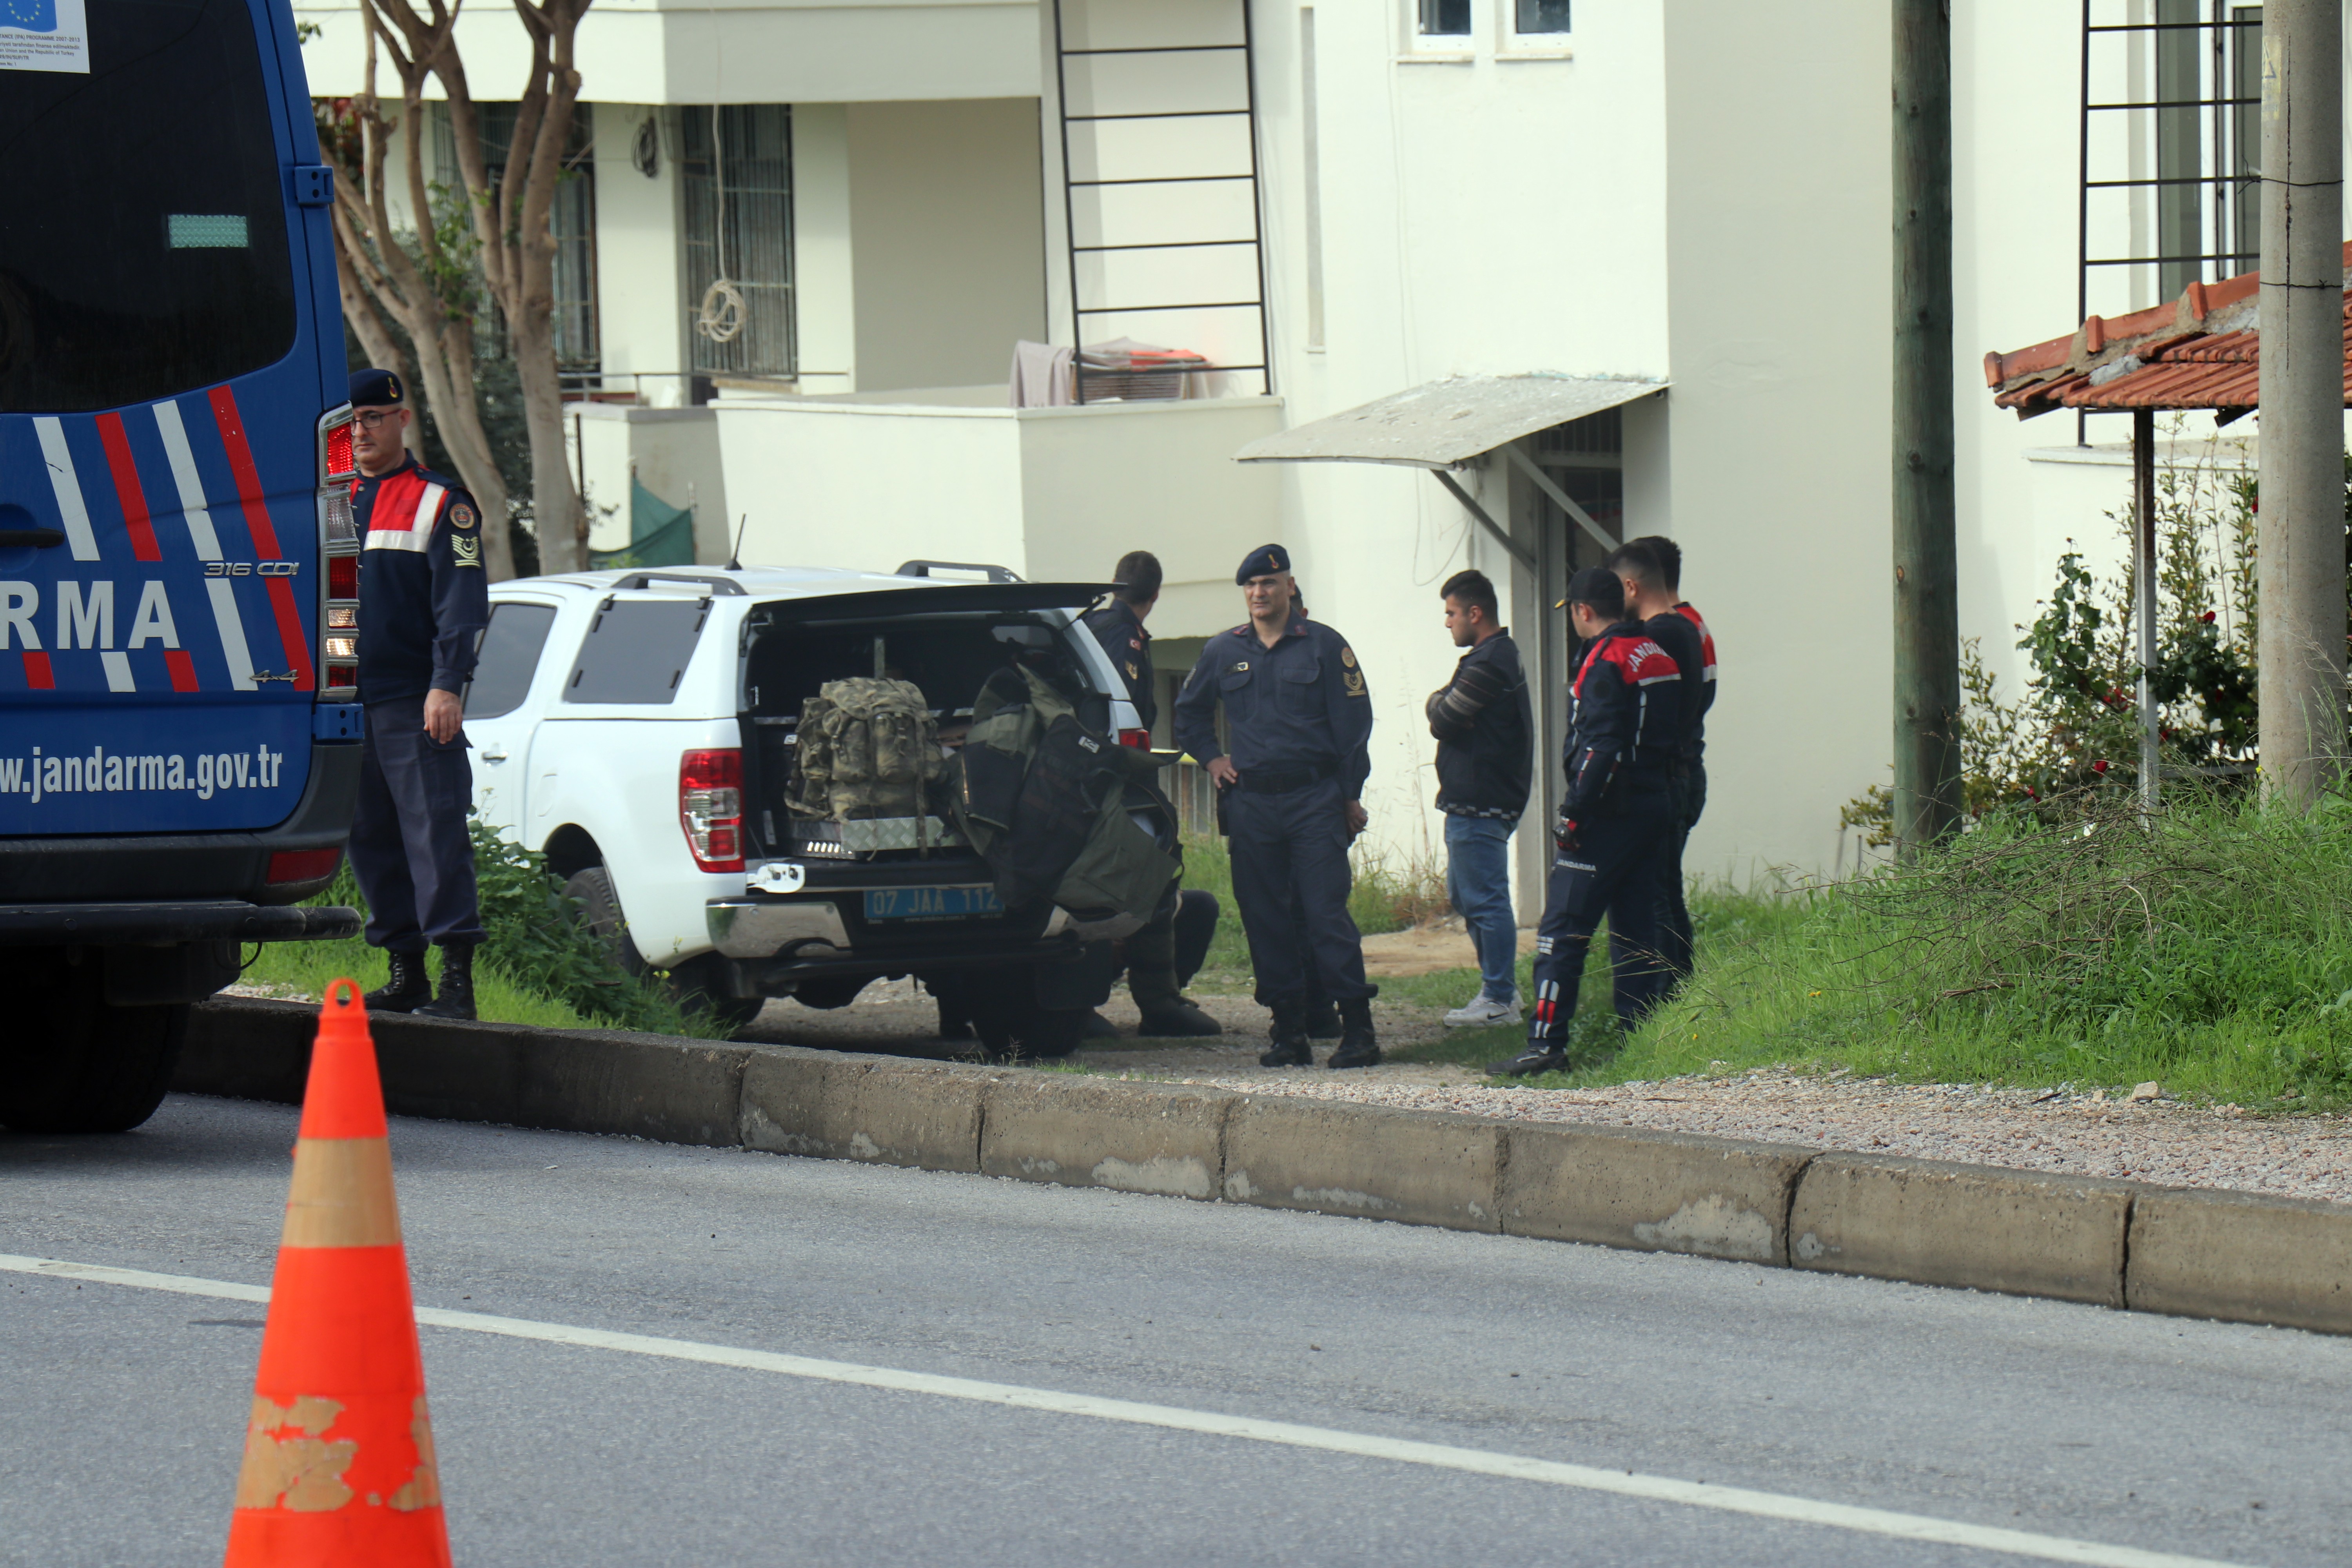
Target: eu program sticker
44, 36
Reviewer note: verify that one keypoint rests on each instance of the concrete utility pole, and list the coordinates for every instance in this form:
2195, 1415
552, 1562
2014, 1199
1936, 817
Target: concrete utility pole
1926, 599
2302, 525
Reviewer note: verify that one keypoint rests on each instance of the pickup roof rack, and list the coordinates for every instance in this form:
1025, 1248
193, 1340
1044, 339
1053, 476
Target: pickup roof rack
715, 581
925, 568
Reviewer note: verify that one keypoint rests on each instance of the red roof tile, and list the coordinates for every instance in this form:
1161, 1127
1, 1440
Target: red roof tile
2202, 351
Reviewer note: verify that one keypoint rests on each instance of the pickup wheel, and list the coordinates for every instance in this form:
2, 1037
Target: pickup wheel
689, 984
75, 1064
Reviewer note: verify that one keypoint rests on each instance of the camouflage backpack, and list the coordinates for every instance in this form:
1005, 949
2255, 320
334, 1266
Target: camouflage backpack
867, 747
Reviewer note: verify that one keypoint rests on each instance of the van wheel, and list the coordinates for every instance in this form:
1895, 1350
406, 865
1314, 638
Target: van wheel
75, 1064
690, 985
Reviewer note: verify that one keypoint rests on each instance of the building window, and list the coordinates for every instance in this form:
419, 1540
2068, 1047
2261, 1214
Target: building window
735, 169
1442, 19
1540, 17
577, 349
2171, 130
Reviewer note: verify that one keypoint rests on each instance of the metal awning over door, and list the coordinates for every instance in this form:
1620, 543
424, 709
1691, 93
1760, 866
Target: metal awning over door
1441, 425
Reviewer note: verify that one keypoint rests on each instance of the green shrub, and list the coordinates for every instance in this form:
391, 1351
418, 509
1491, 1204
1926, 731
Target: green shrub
537, 936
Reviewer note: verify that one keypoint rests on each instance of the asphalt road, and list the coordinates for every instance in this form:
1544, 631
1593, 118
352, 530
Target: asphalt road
124, 1408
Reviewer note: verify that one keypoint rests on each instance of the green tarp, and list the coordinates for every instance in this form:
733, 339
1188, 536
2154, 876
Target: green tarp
660, 534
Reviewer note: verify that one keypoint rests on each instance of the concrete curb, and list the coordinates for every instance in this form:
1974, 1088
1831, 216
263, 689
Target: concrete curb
2184, 1251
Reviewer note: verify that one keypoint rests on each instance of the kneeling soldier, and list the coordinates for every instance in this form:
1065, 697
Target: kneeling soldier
1618, 819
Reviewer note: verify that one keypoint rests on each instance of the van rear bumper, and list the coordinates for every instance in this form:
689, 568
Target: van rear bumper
152, 924
188, 867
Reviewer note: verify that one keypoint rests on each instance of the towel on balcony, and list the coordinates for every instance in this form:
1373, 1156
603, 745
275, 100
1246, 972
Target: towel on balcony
1041, 376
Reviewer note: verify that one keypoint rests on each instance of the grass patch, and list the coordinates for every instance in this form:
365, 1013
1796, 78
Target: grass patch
539, 964
2210, 950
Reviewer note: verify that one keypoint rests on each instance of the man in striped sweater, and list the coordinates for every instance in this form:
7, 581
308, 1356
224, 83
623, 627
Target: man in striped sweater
1484, 726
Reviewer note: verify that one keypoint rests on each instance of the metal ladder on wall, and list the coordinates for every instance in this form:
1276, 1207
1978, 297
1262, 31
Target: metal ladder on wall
1167, 99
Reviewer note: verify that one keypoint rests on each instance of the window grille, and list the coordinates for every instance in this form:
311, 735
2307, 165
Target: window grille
735, 171
2172, 143
573, 218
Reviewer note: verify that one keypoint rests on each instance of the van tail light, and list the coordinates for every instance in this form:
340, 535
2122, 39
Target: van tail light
302, 866
710, 808
1139, 739
338, 548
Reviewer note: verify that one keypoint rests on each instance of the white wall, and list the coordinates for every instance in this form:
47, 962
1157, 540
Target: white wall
1780, 258
865, 486
674, 452
641, 317
824, 278
947, 237
735, 51
1482, 215
1051, 493
1102, 480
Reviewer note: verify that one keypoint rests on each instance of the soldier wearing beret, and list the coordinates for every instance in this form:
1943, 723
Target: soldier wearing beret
423, 601
1300, 723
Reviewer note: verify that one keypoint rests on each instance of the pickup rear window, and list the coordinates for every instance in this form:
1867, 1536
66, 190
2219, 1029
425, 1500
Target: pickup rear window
636, 650
509, 658
142, 240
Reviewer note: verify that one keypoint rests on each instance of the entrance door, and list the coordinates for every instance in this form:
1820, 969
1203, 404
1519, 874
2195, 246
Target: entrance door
1585, 459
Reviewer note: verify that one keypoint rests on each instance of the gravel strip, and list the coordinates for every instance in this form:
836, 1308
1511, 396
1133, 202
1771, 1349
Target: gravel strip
2078, 1134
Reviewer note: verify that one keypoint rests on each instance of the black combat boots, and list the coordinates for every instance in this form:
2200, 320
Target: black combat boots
409, 988
1541, 1056
1173, 1016
1290, 1036
1356, 1047
1323, 1019
457, 998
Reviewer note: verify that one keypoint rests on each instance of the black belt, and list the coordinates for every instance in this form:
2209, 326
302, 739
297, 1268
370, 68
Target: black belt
1269, 781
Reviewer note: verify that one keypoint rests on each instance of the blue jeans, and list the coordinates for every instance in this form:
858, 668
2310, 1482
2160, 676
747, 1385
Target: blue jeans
1478, 883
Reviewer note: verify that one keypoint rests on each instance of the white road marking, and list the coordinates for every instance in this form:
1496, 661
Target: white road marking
1438, 1456
68, 486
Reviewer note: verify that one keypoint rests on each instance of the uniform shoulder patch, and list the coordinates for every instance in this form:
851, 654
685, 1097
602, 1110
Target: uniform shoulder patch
1132, 672
1354, 682
1346, 656
461, 515
467, 550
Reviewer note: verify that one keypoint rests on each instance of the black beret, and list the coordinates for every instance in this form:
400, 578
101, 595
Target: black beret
377, 389
1262, 561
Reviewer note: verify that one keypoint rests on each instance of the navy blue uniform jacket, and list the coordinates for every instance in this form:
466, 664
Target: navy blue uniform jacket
1130, 647
1298, 706
1625, 733
423, 596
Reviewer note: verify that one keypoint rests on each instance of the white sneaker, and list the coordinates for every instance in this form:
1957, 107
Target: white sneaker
1484, 1012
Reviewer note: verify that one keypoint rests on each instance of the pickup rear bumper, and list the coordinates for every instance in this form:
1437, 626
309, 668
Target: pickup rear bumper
154, 924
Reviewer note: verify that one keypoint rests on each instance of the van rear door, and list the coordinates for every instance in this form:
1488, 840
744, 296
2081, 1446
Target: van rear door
160, 401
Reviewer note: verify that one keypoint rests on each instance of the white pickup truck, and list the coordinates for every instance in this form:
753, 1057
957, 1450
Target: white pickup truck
638, 726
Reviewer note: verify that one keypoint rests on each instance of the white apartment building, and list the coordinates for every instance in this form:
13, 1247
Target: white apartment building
1631, 255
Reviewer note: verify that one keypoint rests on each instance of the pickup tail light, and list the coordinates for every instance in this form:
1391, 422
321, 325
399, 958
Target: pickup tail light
1139, 739
710, 808
339, 545
302, 866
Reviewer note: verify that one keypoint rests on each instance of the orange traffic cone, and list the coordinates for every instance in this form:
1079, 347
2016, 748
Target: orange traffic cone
339, 1454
